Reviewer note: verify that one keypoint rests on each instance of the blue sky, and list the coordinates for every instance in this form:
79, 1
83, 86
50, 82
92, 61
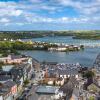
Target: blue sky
49, 14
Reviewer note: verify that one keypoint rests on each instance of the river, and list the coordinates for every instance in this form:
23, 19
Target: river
85, 57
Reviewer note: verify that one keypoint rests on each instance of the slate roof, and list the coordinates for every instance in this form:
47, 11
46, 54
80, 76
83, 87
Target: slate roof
68, 71
16, 73
46, 89
4, 77
76, 92
63, 71
49, 63
9, 84
4, 90
69, 87
4, 72
15, 56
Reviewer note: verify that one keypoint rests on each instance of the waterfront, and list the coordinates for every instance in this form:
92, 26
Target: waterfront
67, 40
85, 57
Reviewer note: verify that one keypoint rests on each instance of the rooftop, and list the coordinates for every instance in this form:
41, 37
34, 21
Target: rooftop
17, 56
63, 69
9, 84
4, 77
47, 89
7, 67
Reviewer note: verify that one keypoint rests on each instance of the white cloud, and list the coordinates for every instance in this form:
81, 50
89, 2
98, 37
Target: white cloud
87, 8
9, 9
21, 12
36, 1
4, 20
49, 8
35, 18
39, 19
10, 12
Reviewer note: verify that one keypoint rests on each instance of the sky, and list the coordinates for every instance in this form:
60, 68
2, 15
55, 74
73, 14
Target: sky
49, 15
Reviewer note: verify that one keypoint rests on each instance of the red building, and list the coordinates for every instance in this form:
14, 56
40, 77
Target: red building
12, 86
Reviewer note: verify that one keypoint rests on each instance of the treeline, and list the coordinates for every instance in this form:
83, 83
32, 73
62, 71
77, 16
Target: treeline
33, 34
7, 47
36, 34
18, 35
17, 45
95, 35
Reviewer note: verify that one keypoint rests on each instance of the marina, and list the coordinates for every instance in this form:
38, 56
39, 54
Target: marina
67, 40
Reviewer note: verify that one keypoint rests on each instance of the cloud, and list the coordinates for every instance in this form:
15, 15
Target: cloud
63, 20
35, 1
4, 20
9, 9
52, 12
49, 8
81, 6
10, 12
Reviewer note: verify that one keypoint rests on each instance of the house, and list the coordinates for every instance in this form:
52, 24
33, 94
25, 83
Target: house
49, 81
69, 87
19, 86
61, 71
17, 73
53, 81
68, 73
12, 86
10, 59
97, 80
75, 94
8, 90
35, 64
58, 95
15, 59
5, 94
5, 78
47, 89
17, 76
98, 97
93, 88
21, 72
60, 81
58, 48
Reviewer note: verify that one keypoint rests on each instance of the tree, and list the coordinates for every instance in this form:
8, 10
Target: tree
1, 64
91, 98
26, 82
89, 74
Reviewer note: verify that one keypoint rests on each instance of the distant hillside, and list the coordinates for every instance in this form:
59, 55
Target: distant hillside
36, 34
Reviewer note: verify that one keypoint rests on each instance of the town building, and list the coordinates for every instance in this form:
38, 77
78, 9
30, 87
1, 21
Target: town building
12, 76
8, 90
11, 59
62, 70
